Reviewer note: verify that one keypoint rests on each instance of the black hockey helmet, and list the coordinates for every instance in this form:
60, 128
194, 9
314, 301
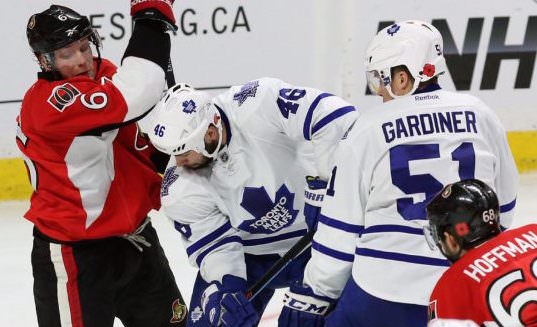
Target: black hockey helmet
57, 27
468, 210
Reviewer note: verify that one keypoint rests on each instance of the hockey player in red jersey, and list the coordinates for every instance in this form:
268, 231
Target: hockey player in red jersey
493, 278
95, 176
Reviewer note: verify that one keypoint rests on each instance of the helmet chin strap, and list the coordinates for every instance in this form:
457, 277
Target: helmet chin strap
214, 154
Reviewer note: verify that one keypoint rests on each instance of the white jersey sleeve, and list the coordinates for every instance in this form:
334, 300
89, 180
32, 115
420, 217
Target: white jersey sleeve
506, 181
340, 222
303, 114
399, 156
211, 243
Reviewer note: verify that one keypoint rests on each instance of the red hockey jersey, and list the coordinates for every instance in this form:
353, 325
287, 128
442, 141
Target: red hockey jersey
495, 282
90, 169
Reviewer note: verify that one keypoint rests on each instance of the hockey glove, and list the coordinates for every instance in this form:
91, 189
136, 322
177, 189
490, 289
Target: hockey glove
313, 199
154, 10
303, 308
226, 304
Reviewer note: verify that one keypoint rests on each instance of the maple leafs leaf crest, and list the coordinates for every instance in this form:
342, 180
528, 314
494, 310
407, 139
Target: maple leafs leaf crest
269, 216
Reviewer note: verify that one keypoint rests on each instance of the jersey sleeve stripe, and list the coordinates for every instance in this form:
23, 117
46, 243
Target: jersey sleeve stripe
309, 115
208, 238
418, 259
393, 229
508, 207
351, 228
259, 241
332, 253
218, 244
330, 117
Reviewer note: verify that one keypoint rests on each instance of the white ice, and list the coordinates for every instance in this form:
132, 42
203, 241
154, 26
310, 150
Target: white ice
16, 299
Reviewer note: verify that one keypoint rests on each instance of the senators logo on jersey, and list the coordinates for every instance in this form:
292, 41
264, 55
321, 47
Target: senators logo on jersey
63, 96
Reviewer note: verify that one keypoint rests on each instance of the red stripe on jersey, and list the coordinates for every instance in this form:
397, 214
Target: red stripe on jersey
72, 285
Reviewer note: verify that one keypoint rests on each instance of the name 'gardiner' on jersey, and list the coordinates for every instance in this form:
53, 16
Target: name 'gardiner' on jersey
402, 154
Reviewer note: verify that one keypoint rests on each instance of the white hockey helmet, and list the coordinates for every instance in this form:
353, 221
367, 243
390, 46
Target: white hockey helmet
415, 44
181, 119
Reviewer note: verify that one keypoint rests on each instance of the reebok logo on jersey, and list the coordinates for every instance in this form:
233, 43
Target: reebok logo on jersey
270, 216
63, 96
247, 90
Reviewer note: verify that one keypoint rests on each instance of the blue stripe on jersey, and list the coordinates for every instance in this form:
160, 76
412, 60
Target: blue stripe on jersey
309, 115
402, 257
393, 228
266, 240
208, 238
351, 228
223, 241
226, 122
331, 116
508, 207
332, 253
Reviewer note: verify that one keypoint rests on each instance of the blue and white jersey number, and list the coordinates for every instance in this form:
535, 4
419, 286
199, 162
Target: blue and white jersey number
400, 158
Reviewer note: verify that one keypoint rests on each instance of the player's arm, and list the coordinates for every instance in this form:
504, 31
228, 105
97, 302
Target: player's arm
140, 78
506, 182
212, 245
92, 107
334, 243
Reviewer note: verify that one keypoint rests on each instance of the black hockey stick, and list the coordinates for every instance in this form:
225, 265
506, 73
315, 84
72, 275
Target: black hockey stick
279, 265
170, 77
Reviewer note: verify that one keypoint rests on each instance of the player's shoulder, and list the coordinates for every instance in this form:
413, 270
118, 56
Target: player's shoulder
187, 195
526, 232
179, 183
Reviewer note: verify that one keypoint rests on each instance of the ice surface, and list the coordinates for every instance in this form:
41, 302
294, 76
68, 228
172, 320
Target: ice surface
16, 300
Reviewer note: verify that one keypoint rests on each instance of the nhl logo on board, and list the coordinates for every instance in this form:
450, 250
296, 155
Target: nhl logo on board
447, 192
63, 96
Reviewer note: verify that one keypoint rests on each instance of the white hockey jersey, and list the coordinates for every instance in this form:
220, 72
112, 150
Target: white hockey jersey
393, 162
250, 200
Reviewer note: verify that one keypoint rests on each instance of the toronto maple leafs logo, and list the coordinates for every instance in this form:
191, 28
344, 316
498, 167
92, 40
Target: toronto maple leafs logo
189, 106
393, 29
170, 176
270, 216
247, 90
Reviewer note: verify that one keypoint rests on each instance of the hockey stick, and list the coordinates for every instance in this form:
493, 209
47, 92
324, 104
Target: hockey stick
279, 265
170, 77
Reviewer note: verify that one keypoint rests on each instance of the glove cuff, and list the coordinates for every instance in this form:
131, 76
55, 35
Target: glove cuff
303, 299
314, 191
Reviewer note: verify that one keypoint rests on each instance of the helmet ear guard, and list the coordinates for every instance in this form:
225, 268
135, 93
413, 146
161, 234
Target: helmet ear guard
180, 121
414, 44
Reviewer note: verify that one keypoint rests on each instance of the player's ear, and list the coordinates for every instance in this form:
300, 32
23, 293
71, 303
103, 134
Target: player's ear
450, 242
402, 81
